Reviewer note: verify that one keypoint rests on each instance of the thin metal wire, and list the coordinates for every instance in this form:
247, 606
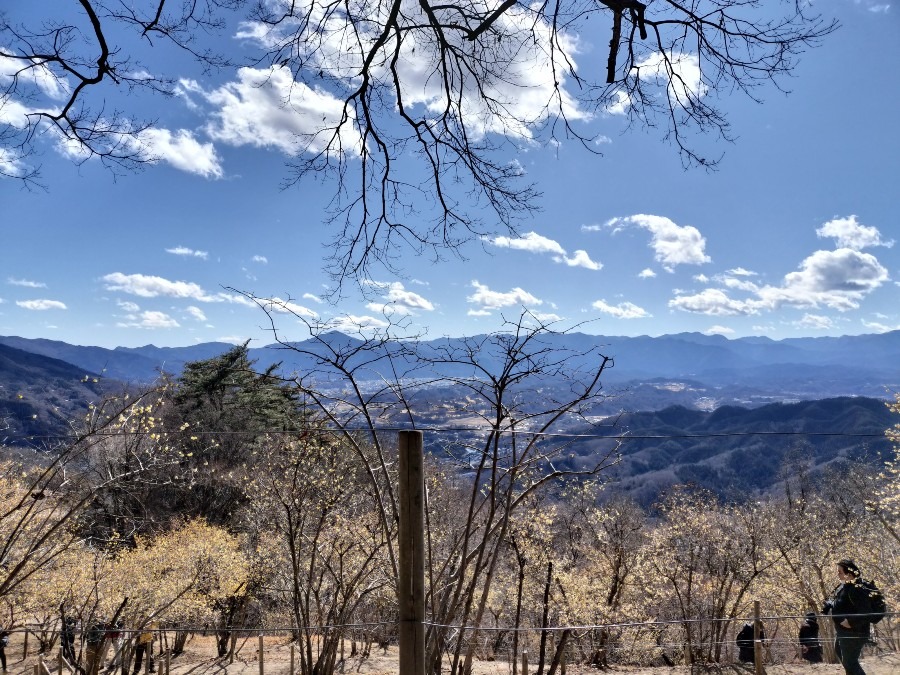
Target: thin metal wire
635, 624
521, 629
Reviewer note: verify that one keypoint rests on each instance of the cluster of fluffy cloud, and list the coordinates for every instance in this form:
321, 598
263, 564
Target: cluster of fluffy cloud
268, 108
181, 149
672, 244
510, 93
35, 304
837, 279
396, 299
513, 81
536, 243
488, 301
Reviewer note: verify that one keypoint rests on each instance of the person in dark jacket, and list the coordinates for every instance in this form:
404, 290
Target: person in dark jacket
810, 646
4, 642
849, 607
745, 642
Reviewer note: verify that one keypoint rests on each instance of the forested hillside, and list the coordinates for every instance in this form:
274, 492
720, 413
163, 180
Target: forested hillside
40, 396
739, 452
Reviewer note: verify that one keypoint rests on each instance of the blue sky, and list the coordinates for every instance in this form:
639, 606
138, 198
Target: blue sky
793, 235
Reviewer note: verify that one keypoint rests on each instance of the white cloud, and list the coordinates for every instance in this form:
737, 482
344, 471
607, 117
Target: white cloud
838, 279
712, 302
719, 330
314, 298
489, 299
646, 273
680, 73
186, 252
677, 71
530, 241
195, 313
352, 323
536, 243
398, 299
741, 272
624, 310
849, 233
33, 73
181, 150
701, 278
10, 163
878, 327
546, 317
580, 259
512, 100
261, 259
148, 286
673, 244
267, 108
280, 306
130, 307
815, 322
26, 283
151, 320
232, 339
738, 284
619, 104
478, 312
41, 305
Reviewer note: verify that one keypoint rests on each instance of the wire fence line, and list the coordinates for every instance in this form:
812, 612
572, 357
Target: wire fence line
256, 630
644, 643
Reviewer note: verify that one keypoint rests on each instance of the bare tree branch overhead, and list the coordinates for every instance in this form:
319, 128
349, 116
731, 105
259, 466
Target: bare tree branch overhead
412, 110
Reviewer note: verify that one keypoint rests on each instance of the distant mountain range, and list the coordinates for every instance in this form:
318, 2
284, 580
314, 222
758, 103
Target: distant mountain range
689, 369
692, 406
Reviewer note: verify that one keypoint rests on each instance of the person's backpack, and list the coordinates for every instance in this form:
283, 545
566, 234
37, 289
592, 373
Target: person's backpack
877, 603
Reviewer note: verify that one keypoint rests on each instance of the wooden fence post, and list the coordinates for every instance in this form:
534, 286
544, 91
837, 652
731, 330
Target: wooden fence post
757, 643
262, 667
59, 663
411, 573
293, 646
524, 663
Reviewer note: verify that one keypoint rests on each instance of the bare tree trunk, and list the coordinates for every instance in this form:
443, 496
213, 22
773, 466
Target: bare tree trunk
545, 619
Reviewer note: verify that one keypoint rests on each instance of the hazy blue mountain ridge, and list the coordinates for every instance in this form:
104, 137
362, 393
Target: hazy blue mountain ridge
747, 371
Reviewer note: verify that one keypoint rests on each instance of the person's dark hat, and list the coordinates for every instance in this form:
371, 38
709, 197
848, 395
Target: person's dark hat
849, 566
811, 617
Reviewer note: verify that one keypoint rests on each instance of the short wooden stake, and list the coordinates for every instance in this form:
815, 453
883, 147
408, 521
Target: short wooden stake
59, 663
262, 668
524, 663
757, 643
293, 649
168, 660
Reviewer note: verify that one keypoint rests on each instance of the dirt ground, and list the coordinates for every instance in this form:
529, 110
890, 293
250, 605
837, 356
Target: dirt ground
199, 659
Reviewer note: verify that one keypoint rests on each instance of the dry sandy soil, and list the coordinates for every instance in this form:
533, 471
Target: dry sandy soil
199, 659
